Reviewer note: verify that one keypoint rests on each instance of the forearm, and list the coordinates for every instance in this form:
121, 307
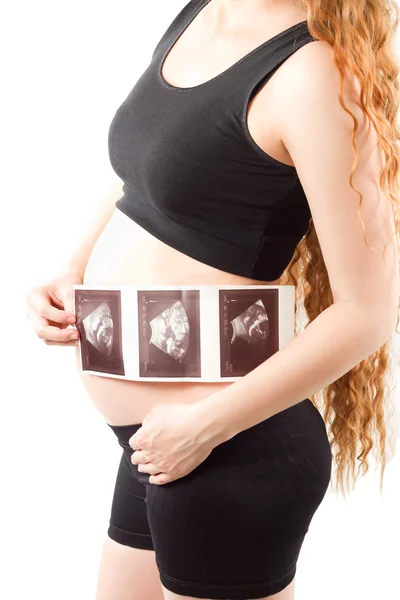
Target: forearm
79, 257
337, 340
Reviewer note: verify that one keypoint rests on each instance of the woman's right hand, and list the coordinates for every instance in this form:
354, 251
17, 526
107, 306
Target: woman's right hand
49, 307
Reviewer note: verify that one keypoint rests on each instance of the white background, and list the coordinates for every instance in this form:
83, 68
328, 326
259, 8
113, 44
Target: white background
66, 67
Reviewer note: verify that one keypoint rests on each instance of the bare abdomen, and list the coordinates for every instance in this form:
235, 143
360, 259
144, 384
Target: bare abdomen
125, 254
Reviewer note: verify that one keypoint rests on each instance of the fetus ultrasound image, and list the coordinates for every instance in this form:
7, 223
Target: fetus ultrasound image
249, 329
169, 333
98, 320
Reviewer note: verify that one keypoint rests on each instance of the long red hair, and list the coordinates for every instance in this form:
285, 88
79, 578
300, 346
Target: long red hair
357, 407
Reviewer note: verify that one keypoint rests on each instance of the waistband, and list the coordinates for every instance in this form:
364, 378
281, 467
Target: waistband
124, 432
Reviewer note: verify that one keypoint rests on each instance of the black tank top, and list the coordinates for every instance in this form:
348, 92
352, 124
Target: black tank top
194, 177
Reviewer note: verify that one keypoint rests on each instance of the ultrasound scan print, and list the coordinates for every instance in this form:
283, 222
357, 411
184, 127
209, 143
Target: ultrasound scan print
169, 333
99, 328
98, 314
249, 329
252, 325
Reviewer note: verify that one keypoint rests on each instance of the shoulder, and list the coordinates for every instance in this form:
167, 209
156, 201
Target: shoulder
313, 123
315, 61
310, 81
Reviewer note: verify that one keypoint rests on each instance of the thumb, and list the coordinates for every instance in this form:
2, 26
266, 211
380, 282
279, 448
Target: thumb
66, 294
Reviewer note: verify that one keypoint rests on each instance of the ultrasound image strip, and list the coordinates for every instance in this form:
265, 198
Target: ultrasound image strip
206, 333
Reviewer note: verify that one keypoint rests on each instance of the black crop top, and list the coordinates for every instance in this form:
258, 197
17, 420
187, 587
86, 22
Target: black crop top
194, 177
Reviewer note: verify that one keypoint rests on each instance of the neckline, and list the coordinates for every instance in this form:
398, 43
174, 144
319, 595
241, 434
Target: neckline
220, 75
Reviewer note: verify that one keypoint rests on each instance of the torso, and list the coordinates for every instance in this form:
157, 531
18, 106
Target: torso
114, 257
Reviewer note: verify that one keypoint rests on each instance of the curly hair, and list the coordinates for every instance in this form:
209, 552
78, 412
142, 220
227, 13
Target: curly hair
357, 407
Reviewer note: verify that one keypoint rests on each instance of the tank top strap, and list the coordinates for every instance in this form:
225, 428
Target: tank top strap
244, 78
265, 59
177, 26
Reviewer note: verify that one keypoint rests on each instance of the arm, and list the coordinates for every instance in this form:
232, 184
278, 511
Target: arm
79, 258
317, 133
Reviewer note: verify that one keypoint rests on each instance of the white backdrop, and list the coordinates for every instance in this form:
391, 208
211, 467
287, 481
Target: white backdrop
66, 67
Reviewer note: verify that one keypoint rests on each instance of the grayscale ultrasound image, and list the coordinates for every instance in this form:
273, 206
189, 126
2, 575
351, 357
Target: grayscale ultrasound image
99, 328
252, 325
169, 333
249, 329
98, 314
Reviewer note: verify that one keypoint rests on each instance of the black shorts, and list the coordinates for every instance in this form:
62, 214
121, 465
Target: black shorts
234, 526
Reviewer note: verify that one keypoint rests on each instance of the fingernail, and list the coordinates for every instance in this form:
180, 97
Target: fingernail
74, 336
71, 319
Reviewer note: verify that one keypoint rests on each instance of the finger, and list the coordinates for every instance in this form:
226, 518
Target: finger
133, 445
56, 335
160, 479
38, 321
135, 441
139, 457
39, 300
50, 333
149, 468
65, 296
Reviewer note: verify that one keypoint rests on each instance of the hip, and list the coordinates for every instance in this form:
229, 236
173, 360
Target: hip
284, 462
238, 520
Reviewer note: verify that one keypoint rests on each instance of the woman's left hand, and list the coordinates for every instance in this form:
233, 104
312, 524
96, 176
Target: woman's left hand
171, 442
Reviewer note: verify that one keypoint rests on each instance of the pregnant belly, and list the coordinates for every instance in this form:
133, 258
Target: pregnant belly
126, 254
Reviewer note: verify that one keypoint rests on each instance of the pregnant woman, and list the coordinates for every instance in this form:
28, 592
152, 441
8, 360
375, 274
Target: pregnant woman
236, 160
